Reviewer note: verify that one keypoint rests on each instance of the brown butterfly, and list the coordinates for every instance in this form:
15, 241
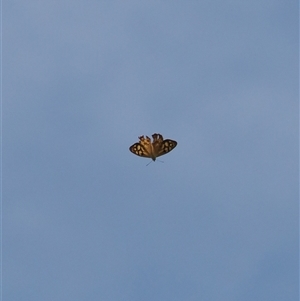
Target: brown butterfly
146, 148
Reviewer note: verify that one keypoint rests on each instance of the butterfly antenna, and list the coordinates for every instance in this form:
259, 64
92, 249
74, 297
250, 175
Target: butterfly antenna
149, 163
160, 161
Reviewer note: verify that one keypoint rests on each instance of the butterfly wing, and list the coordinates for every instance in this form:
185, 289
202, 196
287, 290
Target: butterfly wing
157, 144
139, 150
166, 146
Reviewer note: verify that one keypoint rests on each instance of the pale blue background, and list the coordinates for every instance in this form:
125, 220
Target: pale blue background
83, 218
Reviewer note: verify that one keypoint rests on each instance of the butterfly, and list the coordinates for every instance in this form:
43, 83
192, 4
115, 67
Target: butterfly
146, 148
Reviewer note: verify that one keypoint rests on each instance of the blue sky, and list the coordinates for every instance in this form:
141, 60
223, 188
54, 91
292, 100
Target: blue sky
85, 219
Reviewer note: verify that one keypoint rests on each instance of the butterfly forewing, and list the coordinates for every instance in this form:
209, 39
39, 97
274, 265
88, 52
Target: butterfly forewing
166, 147
139, 150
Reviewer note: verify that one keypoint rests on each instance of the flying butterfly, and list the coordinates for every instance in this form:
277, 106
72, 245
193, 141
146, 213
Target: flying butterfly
146, 148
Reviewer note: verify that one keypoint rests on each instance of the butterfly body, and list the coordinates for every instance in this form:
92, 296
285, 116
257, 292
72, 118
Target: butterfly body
146, 148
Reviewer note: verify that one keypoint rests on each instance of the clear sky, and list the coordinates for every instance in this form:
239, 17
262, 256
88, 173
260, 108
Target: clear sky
85, 219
